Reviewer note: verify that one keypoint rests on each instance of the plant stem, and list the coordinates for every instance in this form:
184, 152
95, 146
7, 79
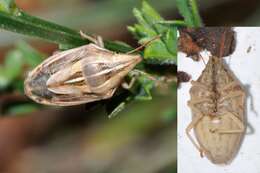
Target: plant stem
26, 24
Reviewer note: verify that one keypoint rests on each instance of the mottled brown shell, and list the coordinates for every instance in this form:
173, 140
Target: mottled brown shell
80, 75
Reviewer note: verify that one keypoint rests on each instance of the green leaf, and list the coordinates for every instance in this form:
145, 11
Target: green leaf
162, 51
173, 23
31, 56
139, 16
156, 50
189, 10
13, 64
183, 7
150, 12
195, 13
145, 87
15, 61
4, 80
23, 23
171, 40
117, 46
8, 6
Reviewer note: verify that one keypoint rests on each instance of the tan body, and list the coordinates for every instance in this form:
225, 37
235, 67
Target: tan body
217, 104
80, 75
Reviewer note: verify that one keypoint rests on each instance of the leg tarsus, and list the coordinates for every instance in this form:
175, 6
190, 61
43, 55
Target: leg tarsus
188, 129
199, 100
98, 41
128, 85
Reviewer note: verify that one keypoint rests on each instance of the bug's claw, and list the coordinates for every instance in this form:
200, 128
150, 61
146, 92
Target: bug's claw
90, 38
96, 40
214, 130
201, 153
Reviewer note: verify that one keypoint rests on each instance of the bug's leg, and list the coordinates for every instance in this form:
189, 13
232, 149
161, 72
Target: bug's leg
92, 39
137, 72
98, 41
237, 121
228, 86
134, 74
118, 109
231, 95
192, 125
129, 85
198, 100
188, 129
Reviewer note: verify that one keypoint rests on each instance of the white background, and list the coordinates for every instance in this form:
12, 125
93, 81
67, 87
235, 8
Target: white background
246, 67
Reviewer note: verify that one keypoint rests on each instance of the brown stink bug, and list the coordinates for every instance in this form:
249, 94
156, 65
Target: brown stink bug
80, 75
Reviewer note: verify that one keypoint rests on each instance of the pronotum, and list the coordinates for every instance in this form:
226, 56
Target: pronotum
80, 75
217, 104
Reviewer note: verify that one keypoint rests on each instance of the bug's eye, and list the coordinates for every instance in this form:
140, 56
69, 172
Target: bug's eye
96, 74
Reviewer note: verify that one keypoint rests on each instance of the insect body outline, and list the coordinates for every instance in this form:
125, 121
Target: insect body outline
79, 75
217, 105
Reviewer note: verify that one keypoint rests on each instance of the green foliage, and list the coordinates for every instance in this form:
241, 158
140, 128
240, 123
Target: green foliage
15, 61
144, 91
189, 10
8, 6
163, 50
15, 20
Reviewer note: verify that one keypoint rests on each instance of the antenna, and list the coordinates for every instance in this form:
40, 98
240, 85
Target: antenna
145, 44
202, 59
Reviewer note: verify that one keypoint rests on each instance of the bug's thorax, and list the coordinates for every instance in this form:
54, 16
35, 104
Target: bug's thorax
214, 76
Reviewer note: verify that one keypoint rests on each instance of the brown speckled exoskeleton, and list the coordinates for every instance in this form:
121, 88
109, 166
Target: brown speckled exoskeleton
217, 104
80, 75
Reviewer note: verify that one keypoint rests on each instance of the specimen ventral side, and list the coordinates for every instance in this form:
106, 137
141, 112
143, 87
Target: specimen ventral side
218, 105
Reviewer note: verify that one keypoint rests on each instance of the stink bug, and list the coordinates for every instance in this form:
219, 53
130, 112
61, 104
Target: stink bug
80, 75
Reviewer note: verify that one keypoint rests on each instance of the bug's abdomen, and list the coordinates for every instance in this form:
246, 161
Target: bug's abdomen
220, 148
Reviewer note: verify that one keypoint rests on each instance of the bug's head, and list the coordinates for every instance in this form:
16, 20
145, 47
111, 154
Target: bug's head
126, 62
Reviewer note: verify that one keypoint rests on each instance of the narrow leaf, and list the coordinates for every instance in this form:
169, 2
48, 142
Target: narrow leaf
183, 7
